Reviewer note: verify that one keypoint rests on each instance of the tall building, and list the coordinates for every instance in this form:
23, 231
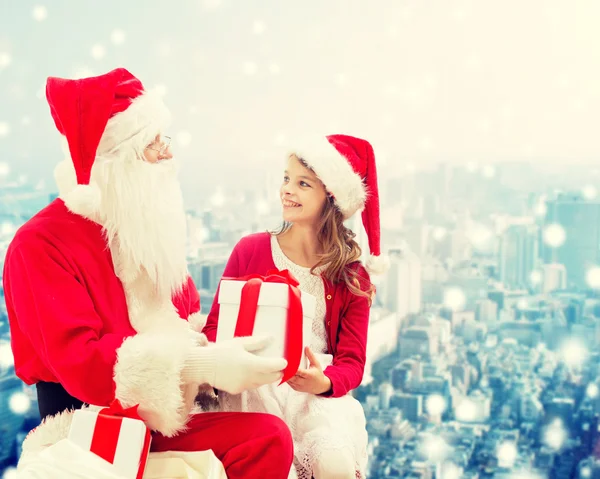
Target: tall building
411, 405
554, 277
518, 254
486, 311
402, 291
579, 219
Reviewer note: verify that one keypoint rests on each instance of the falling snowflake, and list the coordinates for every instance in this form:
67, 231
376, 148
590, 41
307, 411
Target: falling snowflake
573, 352
589, 192
4, 128
98, 51
19, 403
435, 448
535, 277
439, 233
507, 454
184, 138
540, 209
451, 471
279, 139
202, 234
488, 171
274, 69
522, 304
435, 404
218, 199
554, 235
479, 236
592, 277
5, 59
585, 472
555, 435
6, 228
249, 68
592, 390
454, 298
6, 355
258, 27
262, 207
466, 411
40, 13
117, 37
4, 169
459, 14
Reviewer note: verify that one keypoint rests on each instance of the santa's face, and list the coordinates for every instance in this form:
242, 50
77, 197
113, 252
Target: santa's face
302, 194
158, 150
143, 215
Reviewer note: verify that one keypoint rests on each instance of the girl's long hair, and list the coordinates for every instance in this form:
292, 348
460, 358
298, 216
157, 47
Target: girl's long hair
339, 247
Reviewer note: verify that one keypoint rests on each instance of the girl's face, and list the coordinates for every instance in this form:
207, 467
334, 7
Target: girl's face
302, 193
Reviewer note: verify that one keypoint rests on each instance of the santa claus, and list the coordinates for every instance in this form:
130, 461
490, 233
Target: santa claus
100, 302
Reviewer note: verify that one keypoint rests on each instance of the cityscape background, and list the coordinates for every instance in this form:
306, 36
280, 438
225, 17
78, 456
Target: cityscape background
483, 353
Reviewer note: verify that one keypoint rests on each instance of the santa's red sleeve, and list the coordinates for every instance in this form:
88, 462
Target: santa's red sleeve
55, 312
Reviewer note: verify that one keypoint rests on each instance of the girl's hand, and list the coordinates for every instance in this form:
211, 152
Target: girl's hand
311, 380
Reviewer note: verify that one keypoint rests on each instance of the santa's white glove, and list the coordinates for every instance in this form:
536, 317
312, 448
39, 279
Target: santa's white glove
231, 366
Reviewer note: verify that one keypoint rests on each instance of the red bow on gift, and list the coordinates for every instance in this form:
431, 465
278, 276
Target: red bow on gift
249, 306
107, 429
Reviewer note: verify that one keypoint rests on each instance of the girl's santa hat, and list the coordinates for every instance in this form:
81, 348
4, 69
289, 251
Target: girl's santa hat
102, 116
346, 166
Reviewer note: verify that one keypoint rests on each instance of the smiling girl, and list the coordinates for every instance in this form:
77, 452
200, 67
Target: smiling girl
319, 191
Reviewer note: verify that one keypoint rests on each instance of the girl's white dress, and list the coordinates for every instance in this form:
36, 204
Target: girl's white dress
318, 424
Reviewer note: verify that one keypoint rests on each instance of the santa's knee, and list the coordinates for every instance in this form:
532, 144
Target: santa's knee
279, 436
335, 464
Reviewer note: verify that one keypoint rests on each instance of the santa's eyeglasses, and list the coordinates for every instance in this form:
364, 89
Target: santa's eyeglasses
164, 142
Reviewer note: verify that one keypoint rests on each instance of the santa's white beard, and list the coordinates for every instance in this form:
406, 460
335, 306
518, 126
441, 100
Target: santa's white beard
144, 219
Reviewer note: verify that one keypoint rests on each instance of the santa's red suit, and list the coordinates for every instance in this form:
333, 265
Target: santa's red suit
101, 306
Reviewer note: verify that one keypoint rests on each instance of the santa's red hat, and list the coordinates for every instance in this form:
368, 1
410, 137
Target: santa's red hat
346, 166
101, 116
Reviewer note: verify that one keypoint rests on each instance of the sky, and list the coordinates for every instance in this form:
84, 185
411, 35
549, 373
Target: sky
248, 81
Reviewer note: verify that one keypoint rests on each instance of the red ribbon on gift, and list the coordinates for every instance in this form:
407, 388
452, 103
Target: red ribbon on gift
249, 306
106, 433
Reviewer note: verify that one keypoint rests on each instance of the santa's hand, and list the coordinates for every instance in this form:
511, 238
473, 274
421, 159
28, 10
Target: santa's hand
311, 380
231, 365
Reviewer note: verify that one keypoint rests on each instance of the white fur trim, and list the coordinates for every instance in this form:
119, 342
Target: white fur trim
337, 175
50, 431
197, 321
136, 126
148, 373
64, 175
377, 265
84, 200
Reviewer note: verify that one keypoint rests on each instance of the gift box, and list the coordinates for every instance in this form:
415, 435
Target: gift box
117, 435
272, 305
